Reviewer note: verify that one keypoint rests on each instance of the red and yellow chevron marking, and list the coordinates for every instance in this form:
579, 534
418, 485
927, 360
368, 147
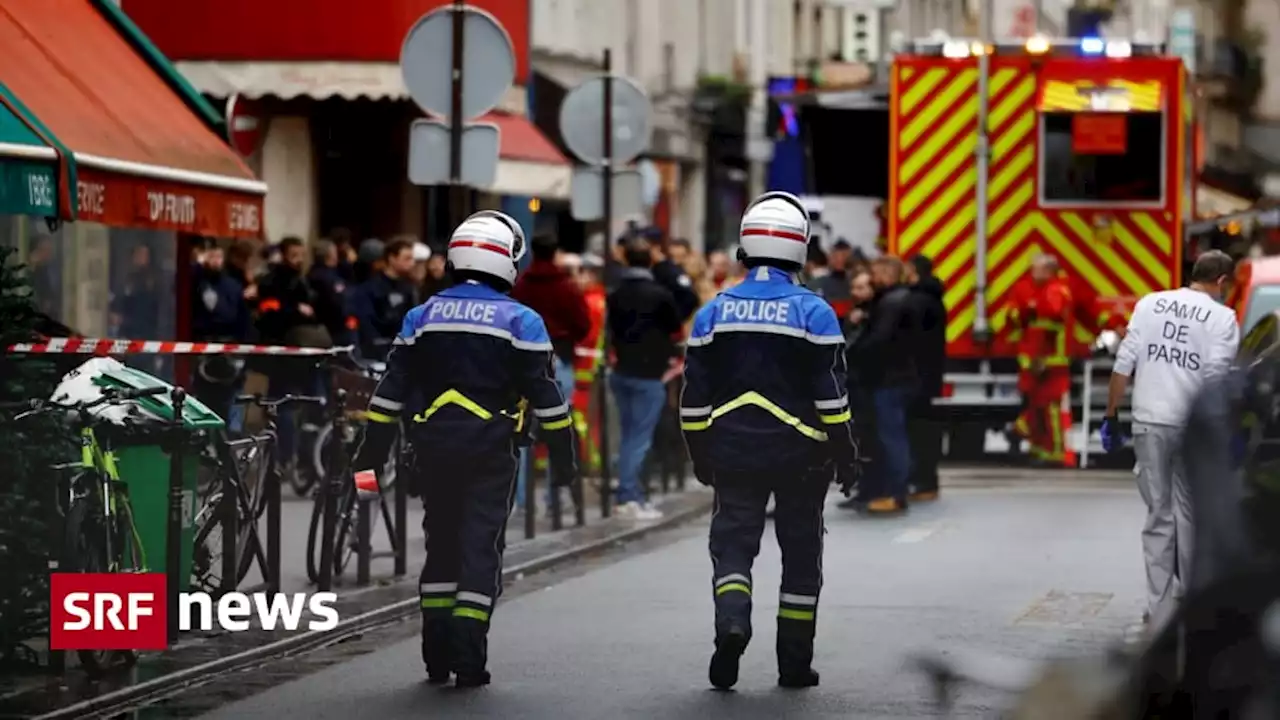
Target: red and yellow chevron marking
933, 208
1115, 95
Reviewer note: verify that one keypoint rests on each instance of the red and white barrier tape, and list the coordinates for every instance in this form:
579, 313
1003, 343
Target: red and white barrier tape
102, 346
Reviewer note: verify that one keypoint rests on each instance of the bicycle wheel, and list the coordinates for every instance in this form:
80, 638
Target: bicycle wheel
85, 551
320, 451
314, 536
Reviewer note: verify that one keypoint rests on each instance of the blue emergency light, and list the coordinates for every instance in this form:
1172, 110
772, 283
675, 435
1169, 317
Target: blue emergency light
1092, 46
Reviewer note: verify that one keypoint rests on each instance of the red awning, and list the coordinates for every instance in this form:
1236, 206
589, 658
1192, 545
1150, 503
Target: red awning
144, 157
521, 140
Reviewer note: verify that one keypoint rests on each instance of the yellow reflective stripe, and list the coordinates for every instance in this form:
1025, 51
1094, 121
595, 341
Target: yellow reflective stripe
438, 602
789, 614
1024, 361
453, 397
1057, 361
754, 398
694, 425
474, 614
1048, 324
733, 587
1055, 428
836, 419
378, 417
557, 424
584, 375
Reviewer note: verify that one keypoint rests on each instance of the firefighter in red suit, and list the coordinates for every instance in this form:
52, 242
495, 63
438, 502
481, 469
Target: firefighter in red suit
1041, 319
586, 366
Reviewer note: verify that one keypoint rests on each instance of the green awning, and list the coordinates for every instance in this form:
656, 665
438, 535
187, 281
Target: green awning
28, 185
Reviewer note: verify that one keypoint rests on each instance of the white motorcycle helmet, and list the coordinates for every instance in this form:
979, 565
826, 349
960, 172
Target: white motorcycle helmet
775, 227
488, 242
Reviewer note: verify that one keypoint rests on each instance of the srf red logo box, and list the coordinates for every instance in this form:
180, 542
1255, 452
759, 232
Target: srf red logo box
108, 611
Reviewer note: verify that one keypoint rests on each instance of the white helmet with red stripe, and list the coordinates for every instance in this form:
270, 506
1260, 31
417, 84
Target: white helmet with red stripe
488, 242
775, 227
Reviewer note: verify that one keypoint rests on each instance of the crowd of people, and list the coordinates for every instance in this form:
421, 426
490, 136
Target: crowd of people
337, 292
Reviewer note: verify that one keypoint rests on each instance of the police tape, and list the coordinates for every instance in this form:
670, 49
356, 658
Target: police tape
105, 346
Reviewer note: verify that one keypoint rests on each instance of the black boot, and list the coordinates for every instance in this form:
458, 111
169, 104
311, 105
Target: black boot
436, 648
470, 653
795, 656
724, 663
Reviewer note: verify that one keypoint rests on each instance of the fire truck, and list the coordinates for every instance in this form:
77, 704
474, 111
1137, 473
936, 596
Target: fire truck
1084, 155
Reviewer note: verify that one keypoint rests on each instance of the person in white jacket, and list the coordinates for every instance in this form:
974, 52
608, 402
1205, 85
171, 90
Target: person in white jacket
1177, 341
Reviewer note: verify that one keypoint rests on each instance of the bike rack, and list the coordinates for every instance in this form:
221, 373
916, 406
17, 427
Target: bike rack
335, 483
235, 500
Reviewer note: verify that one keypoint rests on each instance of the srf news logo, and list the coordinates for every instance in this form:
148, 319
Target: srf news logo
129, 611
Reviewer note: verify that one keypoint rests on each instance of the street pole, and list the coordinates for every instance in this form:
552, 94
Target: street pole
606, 205
981, 330
758, 78
457, 193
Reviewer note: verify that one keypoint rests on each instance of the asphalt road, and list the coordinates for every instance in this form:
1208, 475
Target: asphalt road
1015, 568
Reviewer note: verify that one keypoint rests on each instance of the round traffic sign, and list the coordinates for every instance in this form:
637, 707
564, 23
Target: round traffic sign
244, 125
582, 120
488, 62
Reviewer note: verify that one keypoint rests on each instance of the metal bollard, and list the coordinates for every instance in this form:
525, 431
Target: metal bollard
364, 551
273, 525
229, 519
557, 523
606, 482
530, 495
332, 485
402, 513
173, 530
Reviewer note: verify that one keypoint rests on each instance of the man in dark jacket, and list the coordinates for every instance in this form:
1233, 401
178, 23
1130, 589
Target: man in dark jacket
642, 318
884, 354
672, 276
287, 316
219, 313
330, 288
378, 305
931, 355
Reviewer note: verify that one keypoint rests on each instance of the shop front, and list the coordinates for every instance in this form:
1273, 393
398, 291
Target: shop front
108, 160
324, 80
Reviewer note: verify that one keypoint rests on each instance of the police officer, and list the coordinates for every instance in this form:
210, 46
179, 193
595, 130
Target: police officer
765, 412
463, 368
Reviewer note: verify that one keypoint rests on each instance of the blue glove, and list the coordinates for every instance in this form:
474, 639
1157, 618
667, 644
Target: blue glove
1112, 440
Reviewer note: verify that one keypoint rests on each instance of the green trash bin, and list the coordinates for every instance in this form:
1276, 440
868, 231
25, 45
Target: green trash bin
144, 468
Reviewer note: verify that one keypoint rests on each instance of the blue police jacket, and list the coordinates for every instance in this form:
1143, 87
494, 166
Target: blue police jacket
764, 379
464, 369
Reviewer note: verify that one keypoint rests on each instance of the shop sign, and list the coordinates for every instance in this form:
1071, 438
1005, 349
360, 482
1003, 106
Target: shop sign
128, 201
27, 188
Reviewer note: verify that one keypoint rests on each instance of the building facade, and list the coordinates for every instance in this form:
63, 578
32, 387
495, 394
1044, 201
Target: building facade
321, 79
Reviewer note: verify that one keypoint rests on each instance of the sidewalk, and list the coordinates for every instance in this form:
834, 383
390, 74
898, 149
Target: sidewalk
386, 599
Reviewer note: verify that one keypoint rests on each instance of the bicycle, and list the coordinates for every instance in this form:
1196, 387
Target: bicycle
99, 533
248, 464
345, 536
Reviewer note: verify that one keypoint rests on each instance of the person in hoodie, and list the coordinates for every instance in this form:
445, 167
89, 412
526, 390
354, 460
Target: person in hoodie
923, 428
551, 292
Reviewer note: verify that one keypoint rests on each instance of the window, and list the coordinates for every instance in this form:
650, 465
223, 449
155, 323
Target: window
1264, 301
1135, 173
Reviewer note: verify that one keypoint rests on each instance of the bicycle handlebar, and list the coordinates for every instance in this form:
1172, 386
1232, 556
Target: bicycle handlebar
274, 403
110, 396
